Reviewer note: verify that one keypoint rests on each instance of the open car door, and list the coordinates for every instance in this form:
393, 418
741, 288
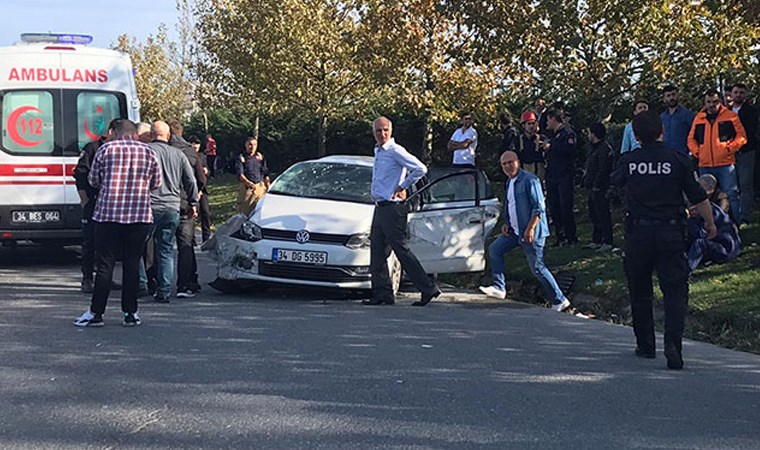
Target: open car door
450, 219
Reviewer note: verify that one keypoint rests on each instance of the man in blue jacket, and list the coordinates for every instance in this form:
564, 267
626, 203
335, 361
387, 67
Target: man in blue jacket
525, 226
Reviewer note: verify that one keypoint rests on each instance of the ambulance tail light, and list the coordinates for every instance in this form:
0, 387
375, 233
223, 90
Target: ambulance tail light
56, 38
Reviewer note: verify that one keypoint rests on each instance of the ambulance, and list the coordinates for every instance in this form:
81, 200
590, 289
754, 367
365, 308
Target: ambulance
56, 95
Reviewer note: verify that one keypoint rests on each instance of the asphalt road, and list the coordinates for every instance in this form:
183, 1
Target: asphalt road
293, 370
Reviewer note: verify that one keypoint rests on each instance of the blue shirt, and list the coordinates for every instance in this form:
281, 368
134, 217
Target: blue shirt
629, 139
529, 203
394, 167
676, 127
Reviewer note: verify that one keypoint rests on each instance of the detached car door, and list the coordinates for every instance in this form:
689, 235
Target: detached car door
450, 219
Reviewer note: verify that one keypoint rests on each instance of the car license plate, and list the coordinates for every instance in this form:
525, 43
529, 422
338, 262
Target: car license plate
36, 216
299, 256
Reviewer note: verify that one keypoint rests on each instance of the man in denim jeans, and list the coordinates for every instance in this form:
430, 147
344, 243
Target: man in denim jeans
177, 177
525, 226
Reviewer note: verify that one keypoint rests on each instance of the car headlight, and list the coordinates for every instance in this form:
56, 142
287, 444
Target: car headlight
360, 240
251, 231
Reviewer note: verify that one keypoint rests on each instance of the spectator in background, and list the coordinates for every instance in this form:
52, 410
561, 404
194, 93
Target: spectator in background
211, 155
187, 266
125, 171
714, 194
509, 134
540, 107
725, 246
204, 212
528, 146
676, 120
560, 162
144, 132
253, 174
629, 140
87, 198
715, 137
464, 142
176, 179
597, 181
745, 158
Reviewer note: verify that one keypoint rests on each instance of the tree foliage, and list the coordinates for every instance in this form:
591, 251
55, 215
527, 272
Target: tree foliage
161, 84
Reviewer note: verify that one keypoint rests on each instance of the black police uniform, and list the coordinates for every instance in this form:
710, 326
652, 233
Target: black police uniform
252, 166
655, 179
560, 166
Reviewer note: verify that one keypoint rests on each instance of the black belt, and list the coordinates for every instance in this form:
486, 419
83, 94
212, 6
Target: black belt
385, 203
650, 222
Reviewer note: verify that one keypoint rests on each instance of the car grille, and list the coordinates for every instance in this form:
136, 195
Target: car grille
307, 272
321, 238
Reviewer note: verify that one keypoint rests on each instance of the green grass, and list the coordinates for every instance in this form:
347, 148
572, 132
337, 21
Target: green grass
724, 302
222, 197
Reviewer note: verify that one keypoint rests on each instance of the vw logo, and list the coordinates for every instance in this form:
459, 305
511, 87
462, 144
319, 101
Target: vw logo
302, 237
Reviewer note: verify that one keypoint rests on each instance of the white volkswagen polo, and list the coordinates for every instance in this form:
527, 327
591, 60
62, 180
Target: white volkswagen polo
312, 227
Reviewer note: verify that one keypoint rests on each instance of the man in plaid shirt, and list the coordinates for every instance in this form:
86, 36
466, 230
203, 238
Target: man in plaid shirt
125, 170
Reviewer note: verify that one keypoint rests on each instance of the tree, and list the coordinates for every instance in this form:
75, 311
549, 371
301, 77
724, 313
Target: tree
161, 85
306, 56
423, 49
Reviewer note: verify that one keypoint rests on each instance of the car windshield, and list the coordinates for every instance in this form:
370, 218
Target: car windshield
326, 180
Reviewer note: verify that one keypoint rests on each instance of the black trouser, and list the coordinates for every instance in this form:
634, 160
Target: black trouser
88, 240
388, 233
210, 163
661, 248
205, 217
601, 221
560, 193
112, 240
187, 267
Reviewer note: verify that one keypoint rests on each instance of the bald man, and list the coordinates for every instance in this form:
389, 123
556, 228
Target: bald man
524, 226
177, 178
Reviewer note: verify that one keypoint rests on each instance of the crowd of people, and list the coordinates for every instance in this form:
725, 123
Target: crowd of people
655, 171
142, 187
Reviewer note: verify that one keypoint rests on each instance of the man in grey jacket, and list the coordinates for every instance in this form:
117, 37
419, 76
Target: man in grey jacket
177, 178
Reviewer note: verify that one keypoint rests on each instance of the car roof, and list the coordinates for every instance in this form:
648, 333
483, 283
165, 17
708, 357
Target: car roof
357, 160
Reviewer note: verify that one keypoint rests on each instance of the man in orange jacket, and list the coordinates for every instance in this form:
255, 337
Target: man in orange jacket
715, 137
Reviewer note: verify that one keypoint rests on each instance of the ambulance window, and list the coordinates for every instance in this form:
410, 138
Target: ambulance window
95, 110
27, 122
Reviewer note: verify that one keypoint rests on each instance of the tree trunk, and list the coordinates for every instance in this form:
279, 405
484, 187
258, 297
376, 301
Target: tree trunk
256, 127
322, 136
427, 139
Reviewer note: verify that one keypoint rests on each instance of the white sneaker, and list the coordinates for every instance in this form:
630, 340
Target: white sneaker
559, 307
88, 319
491, 291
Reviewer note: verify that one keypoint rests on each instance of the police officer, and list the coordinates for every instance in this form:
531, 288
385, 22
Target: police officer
656, 180
253, 175
560, 166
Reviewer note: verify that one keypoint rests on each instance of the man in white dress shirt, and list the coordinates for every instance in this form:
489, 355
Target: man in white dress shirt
463, 142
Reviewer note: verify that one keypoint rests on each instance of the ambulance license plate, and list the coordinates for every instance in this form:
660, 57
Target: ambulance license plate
299, 256
36, 216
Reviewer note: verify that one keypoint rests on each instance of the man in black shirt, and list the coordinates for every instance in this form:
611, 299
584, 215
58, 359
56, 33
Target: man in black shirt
597, 180
253, 174
656, 180
560, 166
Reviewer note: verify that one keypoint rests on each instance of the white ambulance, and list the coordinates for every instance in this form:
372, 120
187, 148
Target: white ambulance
56, 95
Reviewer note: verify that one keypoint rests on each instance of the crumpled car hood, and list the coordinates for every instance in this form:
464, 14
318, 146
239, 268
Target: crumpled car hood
315, 215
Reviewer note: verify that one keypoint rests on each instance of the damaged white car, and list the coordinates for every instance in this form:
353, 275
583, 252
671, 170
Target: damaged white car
312, 227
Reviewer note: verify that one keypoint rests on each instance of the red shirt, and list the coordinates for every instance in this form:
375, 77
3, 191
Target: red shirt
211, 147
125, 171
